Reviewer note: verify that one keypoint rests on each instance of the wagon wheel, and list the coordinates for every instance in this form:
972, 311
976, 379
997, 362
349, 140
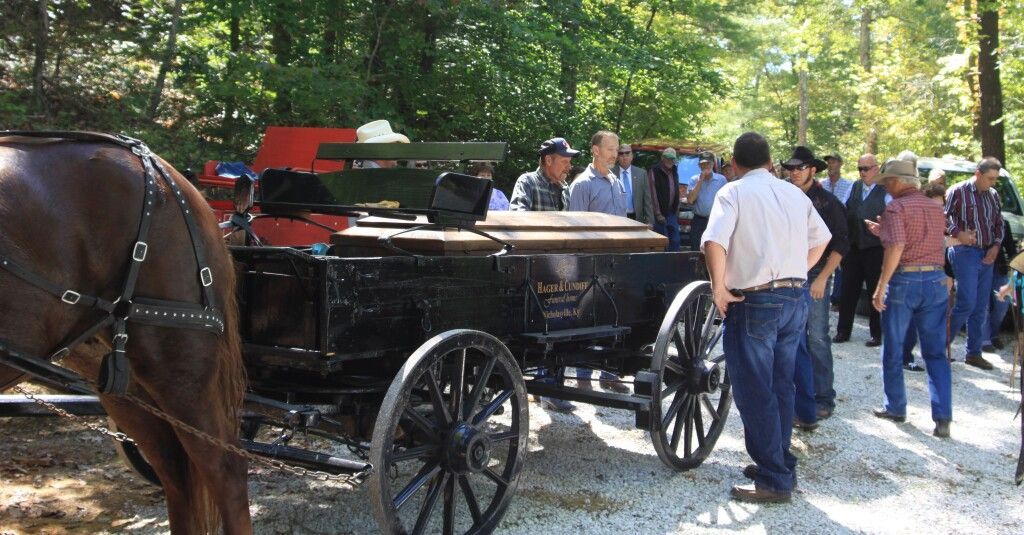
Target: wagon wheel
693, 394
454, 426
133, 457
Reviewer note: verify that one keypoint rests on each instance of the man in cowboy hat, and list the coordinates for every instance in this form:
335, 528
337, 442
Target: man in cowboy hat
665, 198
544, 189
378, 132
813, 380
700, 192
911, 292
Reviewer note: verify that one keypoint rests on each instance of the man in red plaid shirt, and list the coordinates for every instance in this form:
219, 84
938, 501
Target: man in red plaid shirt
911, 292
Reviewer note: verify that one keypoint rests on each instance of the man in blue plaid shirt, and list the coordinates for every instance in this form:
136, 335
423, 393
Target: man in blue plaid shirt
544, 190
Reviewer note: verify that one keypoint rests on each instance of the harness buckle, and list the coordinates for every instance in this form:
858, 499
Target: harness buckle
71, 297
61, 353
121, 338
206, 276
139, 253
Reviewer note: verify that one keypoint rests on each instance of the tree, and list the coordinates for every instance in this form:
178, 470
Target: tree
990, 90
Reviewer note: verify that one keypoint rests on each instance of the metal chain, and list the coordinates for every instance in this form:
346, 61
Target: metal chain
116, 435
352, 480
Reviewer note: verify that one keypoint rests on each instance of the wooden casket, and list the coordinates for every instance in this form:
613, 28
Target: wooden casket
530, 232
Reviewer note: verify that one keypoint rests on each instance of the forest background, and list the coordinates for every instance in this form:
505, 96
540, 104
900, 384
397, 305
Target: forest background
201, 79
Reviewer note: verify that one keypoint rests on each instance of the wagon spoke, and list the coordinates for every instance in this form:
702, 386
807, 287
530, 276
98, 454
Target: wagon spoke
449, 507
500, 481
488, 411
458, 374
474, 506
429, 503
421, 423
698, 421
706, 401
671, 389
674, 367
677, 402
687, 417
479, 387
419, 452
678, 427
425, 474
437, 399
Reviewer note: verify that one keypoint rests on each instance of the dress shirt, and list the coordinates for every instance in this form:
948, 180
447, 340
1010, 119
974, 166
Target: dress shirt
706, 197
967, 208
841, 188
593, 191
867, 191
627, 184
914, 220
534, 192
769, 237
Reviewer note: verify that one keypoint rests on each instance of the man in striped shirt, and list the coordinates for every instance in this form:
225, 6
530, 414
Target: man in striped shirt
973, 219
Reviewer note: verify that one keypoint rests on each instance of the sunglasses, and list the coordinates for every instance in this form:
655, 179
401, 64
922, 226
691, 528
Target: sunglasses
800, 167
866, 169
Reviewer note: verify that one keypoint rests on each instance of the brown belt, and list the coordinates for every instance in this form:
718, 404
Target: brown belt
778, 283
917, 269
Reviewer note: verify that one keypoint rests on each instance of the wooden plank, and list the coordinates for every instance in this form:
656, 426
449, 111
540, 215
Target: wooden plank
474, 151
533, 221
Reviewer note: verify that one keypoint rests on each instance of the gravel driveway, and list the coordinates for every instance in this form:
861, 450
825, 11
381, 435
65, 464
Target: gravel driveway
591, 472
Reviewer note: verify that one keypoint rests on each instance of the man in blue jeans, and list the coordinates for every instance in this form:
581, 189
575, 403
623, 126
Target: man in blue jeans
758, 259
973, 218
911, 292
815, 396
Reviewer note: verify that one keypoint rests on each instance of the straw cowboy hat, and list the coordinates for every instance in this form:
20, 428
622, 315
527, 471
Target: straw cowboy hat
898, 169
378, 132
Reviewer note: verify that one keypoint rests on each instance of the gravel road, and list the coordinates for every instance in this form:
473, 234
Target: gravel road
591, 472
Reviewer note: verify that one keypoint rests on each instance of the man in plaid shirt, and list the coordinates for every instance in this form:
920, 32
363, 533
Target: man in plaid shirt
910, 291
544, 190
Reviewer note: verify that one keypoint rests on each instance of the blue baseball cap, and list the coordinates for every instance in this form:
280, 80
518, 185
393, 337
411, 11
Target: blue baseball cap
557, 145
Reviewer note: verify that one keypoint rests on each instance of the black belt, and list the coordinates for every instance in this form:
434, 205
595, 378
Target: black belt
695, 216
774, 285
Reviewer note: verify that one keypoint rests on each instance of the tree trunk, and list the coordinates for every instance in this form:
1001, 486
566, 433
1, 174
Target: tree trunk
235, 45
801, 133
569, 56
969, 36
865, 38
165, 65
990, 89
632, 73
42, 42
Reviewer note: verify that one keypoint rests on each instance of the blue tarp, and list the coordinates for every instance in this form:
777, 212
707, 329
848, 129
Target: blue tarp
235, 170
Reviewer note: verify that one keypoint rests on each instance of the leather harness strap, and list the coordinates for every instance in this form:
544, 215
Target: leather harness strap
125, 308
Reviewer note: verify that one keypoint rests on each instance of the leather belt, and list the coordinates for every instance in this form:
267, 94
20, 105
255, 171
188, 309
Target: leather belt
917, 269
775, 284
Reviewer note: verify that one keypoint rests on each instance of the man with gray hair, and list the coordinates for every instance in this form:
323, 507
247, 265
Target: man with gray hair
911, 293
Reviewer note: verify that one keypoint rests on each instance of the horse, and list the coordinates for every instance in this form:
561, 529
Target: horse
70, 212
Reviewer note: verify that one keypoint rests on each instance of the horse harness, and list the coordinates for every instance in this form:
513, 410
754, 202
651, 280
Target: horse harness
126, 307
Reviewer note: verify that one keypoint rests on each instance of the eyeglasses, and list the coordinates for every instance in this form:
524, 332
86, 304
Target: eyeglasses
800, 167
865, 169
621, 153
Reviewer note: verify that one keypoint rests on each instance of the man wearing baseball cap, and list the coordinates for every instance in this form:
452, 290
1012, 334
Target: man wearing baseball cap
665, 198
544, 189
700, 192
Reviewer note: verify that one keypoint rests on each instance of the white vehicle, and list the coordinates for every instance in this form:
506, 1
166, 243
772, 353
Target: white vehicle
958, 170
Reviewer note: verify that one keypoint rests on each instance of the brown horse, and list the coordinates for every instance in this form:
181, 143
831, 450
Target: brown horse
70, 213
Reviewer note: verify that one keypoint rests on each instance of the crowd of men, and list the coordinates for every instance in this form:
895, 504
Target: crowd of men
831, 240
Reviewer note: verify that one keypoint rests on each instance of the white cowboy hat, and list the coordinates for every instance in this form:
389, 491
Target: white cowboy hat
378, 132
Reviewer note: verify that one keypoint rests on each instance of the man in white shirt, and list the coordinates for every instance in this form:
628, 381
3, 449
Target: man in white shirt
758, 286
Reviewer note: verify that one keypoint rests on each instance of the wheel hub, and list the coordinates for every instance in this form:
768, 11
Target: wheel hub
710, 378
469, 449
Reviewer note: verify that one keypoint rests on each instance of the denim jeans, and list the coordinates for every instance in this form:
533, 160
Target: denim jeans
973, 285
670, 230
814, 378
697, 227
916, 299
997, 309
760, 338
837, 285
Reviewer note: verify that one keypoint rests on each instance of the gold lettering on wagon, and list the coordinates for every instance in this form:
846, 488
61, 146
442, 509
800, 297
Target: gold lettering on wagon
559, 298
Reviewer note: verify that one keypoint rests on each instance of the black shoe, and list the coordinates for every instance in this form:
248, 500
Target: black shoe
988, 348
824, 413
556, 405
998, 343
750, 472
804, 426
873, 342
886, 415
941, 430
978, 362
754, 494
841, 337
913, 367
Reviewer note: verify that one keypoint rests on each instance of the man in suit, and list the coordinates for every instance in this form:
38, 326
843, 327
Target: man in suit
863, 264
634, 179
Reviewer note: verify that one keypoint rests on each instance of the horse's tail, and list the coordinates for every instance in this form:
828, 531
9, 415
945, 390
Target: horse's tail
230, 387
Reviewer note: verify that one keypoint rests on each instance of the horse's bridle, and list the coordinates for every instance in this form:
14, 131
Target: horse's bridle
114, 373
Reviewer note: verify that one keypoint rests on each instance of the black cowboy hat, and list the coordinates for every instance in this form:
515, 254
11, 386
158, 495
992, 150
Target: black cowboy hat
802, 155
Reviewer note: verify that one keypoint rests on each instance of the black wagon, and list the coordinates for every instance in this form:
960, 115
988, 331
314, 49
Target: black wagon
406, 349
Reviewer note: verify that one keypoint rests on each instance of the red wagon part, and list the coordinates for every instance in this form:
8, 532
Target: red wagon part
283, 146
